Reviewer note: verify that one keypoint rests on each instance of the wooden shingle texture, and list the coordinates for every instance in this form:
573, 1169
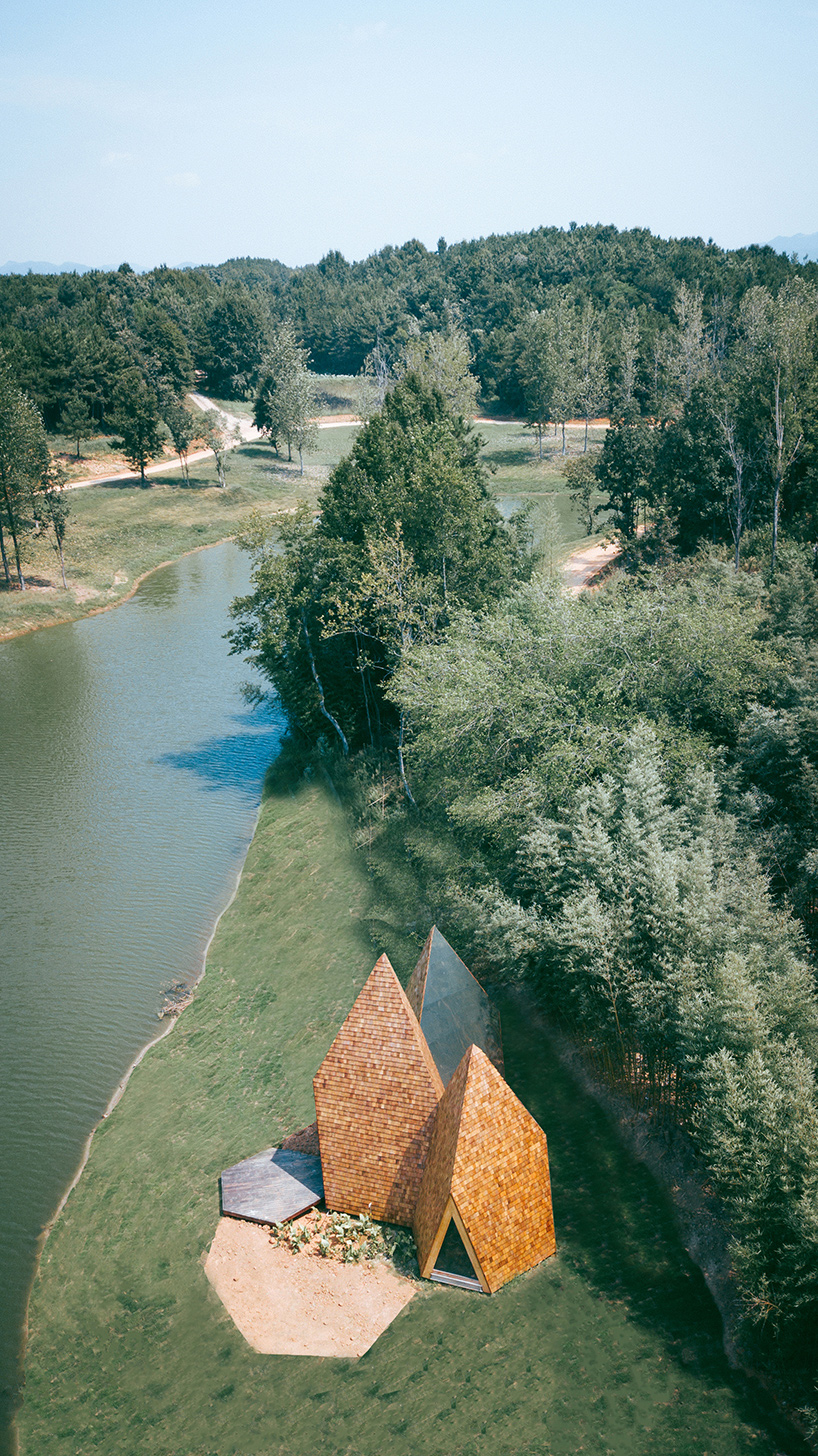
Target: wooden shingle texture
376, 1093
453, 1009
488, 1168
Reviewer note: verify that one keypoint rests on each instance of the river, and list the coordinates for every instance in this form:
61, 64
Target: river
132, 774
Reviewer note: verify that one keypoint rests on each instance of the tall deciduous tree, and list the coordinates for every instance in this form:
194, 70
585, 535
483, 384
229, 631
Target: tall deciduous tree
535, 367
591, 372
219, 437
137, 420
24, 460
180, 425
625, 470
779, 339
52, 508
442, 360
286, 398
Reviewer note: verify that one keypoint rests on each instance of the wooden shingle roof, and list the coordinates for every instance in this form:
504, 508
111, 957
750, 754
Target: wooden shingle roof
487, 1169
376, 1093
453, 1009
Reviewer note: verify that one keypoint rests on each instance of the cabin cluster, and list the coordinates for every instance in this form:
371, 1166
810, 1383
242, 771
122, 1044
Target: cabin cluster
417, 1126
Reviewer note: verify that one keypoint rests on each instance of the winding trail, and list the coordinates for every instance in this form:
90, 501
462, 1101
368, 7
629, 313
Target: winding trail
583, 565
245, 433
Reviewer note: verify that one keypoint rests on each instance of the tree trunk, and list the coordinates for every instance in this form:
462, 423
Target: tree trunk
321, 703
5, 558
300, 461
539, 433
62, 564
563, 437
585, 446
776, 505
13, 530
410, 796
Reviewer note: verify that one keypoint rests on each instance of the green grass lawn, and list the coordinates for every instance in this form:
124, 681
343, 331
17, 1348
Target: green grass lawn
118, 532
613, 1347
520, 478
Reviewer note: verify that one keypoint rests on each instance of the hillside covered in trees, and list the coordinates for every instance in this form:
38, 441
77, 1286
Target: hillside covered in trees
68, 336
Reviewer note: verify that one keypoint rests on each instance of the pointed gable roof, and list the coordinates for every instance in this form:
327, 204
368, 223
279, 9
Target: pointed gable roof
376, 1093
453, 1009
488, 1169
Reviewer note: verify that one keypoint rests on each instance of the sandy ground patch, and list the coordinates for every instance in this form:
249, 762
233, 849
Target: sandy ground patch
585, 563
297, 1304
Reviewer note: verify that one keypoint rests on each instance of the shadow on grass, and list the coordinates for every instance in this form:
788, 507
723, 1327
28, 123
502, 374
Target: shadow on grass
522, 455
616, 1226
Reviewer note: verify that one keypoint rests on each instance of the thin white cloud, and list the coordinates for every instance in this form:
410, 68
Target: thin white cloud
117, 159
184, 180
364, 33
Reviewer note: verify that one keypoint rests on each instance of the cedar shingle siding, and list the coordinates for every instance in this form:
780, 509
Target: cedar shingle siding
375, 1096
489, 1159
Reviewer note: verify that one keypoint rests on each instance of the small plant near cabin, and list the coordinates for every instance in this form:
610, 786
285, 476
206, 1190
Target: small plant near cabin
348, 1238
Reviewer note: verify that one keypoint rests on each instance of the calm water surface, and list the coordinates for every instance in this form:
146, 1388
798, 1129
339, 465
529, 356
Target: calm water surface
131, 779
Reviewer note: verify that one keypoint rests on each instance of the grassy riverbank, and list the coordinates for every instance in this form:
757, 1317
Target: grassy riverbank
119, 532
613, 1347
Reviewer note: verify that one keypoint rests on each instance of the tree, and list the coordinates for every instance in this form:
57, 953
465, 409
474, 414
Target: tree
218, 437
563, 362
51, 505
75, 418
407, 532
591, 374
583, 484
778, 337
442, 360
625, 468
536, 373
24, 460
180, 425
374, 380
137, 420
628, 362
285, 399
693, 471
236, 334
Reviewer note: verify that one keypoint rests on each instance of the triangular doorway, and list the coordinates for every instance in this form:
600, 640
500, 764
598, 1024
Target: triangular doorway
453, 1264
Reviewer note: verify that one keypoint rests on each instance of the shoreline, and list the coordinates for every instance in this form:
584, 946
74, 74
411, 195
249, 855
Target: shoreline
109, 606
122, 1085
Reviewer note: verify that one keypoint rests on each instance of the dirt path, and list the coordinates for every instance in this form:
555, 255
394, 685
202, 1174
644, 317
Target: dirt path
584, 564
246, 432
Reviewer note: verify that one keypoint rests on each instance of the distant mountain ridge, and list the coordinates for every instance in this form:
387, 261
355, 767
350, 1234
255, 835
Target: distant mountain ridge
804, 245
39, 267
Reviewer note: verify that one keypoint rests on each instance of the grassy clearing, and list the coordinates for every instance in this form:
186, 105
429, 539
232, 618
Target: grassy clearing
611, 1348
119, 532
521, 478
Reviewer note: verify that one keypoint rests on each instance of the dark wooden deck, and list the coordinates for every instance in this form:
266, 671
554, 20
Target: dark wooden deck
273, 1186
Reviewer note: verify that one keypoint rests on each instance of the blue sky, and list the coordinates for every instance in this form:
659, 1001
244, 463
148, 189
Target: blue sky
185, 131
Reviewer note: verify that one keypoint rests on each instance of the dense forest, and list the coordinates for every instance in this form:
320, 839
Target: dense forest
609, 799
69, 336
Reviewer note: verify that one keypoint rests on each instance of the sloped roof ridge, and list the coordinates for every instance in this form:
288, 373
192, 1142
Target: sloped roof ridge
382, 978
416, 988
